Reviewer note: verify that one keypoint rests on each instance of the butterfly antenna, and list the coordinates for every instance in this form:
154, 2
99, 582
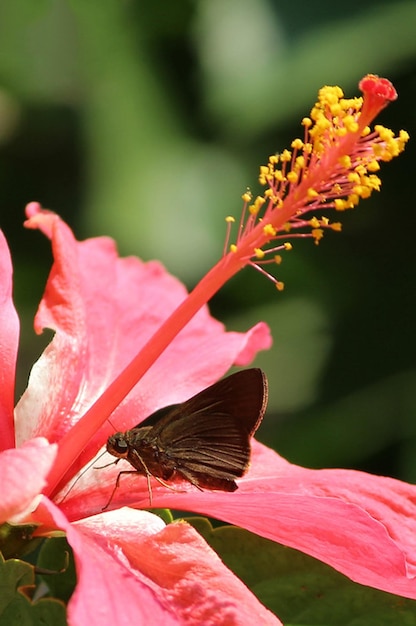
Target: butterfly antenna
81, 475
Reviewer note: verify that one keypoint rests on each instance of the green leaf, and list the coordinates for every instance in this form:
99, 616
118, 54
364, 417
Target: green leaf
16, 540
300, 589
17, 580
164, 514
56, 556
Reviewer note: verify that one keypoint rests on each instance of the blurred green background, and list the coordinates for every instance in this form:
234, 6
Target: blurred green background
146, 121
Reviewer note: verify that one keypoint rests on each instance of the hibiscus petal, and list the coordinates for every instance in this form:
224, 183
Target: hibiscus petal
362, 525
104, 309
187, 574
9, 338
133, 570
23, 474
109, 590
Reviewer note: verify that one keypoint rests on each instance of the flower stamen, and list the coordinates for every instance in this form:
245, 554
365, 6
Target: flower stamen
332, 168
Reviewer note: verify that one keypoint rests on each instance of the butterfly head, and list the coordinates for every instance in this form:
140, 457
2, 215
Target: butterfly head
118, 446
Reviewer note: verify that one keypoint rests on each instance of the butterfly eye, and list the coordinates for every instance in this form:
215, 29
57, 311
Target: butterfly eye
118, 445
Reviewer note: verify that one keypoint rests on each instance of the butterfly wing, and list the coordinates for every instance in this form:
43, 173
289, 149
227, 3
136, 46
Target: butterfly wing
207, 438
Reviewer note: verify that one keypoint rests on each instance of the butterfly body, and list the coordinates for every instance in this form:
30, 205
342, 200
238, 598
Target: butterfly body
204, 440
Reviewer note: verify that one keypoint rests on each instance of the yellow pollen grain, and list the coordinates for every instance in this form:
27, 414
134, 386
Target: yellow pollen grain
307, 122
314, 222
233, 248
337, 226
292, 177
230, 218
287, 246
286, 156
278, 259
246, 196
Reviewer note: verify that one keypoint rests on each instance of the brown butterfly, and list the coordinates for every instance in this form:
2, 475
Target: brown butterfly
204, 440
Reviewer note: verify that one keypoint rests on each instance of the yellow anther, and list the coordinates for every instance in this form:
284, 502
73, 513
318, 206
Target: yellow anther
373, 166
269, 230
277, 259
285, 156
260, 254
230, 218
293, 177
259, 201
312, 194
345, 161
233, 248
340, 204
353, 177
297, 144
287, 246
279, 285
350, 123
317, 234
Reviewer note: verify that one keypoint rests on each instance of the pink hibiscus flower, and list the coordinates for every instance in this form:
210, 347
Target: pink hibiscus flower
109, 314
158, 574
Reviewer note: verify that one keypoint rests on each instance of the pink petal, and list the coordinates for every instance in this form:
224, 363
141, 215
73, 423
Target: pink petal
362, 525
23, 474
9, 338
132, 570
104, 309
109, 589
187, 574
